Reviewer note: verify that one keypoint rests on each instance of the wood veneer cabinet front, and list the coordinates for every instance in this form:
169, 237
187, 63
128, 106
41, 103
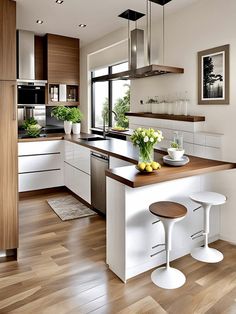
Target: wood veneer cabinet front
8, 167
7, 40
62, 59
39, 58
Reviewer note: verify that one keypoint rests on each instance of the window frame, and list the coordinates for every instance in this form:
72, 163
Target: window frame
110, 96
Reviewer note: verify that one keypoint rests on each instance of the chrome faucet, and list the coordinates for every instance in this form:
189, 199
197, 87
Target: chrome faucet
104, 122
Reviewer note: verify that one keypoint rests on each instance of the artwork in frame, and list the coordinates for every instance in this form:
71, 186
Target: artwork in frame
213, 76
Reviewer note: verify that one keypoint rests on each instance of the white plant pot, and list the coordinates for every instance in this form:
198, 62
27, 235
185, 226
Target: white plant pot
67, 127
76, 128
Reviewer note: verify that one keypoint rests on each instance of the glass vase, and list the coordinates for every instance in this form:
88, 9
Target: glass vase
146, 154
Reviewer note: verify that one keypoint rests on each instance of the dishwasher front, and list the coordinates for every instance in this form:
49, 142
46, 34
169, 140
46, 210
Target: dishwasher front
99, 164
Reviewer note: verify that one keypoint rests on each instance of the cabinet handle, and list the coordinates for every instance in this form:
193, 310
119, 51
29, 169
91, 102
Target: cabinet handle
14, 102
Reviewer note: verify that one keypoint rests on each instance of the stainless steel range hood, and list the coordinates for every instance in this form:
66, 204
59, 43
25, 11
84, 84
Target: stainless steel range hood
26, 57
137, 67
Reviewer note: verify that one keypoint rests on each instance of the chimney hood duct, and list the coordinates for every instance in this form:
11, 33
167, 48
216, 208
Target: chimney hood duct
137, 69
26, 57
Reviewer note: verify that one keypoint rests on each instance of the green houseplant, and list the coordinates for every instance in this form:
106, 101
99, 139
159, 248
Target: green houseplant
32, 127
63, 113
76, 117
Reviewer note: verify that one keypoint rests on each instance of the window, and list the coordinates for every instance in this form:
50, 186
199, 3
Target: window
108, 96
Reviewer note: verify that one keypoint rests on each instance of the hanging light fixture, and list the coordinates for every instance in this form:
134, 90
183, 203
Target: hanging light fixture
136, 47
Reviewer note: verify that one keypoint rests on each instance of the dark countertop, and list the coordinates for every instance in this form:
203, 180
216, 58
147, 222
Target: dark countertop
113, 147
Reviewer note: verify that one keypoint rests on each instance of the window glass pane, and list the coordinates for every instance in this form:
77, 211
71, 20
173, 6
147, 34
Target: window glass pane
121, 102
100, 72
100, 102
120, 67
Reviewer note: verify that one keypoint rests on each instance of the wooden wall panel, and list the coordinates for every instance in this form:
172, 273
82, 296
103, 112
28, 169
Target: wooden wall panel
8, 167
7, 40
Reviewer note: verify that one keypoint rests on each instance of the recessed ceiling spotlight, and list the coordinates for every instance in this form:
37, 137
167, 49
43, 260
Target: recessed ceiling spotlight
82, 25
39, 22
59, 1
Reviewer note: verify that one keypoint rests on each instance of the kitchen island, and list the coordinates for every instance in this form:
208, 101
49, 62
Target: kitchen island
133, 233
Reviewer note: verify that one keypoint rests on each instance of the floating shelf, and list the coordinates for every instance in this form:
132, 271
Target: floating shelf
166, 116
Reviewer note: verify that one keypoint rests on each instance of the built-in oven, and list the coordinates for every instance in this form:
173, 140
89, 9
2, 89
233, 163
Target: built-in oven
31, 94
38, 112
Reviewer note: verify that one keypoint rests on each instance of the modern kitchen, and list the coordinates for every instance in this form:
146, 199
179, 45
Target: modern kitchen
117, 156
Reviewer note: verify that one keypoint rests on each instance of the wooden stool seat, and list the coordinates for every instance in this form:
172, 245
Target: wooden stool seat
168, 209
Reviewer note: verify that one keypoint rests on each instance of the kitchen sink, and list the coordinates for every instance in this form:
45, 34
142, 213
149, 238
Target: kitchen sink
95, 138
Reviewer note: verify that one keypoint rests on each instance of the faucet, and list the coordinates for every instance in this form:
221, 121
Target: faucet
104, 121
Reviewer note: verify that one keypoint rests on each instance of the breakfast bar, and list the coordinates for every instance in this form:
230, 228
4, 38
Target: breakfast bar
134, 236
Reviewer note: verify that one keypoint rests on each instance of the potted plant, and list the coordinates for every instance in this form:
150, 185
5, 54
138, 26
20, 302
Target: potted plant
76, 117
63, 113
145, 139
32, 127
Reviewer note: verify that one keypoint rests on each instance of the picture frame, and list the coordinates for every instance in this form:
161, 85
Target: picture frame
213, 76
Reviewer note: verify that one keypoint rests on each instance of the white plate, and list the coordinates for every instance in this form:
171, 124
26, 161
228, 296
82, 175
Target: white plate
177, 163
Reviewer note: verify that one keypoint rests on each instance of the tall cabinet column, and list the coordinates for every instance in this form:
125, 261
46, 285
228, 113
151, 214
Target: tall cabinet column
8, 132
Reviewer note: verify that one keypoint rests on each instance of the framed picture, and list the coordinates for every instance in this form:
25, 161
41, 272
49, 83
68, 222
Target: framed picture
213, 76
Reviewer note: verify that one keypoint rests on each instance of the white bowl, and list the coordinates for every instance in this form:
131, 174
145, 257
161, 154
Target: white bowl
175, 153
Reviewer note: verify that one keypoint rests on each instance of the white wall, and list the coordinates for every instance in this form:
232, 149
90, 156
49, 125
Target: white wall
205, 24
108, 50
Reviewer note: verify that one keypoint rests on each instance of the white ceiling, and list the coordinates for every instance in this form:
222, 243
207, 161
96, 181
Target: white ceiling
101, 16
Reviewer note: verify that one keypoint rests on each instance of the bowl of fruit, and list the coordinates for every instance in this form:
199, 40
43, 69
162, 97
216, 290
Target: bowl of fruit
147, 167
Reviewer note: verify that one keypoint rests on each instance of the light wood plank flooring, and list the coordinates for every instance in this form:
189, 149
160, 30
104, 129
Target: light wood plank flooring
61, 269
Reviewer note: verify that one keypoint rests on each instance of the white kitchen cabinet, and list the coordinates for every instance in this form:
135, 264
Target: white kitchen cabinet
40, 180
40, 165
39, 147
39, 162
78, 182
77, 156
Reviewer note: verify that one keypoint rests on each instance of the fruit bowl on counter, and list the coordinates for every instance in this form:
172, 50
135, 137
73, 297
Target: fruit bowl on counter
148, 167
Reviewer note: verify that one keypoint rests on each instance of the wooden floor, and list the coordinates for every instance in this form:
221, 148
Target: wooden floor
61, 269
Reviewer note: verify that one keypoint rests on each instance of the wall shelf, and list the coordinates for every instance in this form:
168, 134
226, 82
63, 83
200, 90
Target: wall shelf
166, 116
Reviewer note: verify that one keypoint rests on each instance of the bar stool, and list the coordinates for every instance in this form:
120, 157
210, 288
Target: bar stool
206, 200
169, 213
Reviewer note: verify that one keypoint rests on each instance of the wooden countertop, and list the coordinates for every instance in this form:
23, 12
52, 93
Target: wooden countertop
132, 177
126, 151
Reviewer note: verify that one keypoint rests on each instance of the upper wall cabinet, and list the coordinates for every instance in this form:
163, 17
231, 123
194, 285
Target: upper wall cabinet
7, 40
39, 49
62, 59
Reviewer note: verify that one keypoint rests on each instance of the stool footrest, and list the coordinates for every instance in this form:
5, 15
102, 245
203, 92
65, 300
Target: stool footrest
154, 254
195, 209
197, 234
155, 246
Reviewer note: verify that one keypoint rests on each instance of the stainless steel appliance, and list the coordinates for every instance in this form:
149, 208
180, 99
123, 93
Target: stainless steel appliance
31, 102
32, 111
99, 164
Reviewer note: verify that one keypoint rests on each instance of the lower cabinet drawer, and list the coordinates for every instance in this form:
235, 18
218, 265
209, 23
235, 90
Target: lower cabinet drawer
78, 182
40, 180
39, 162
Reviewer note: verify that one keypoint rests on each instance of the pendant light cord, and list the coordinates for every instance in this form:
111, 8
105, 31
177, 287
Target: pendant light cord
163, 35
